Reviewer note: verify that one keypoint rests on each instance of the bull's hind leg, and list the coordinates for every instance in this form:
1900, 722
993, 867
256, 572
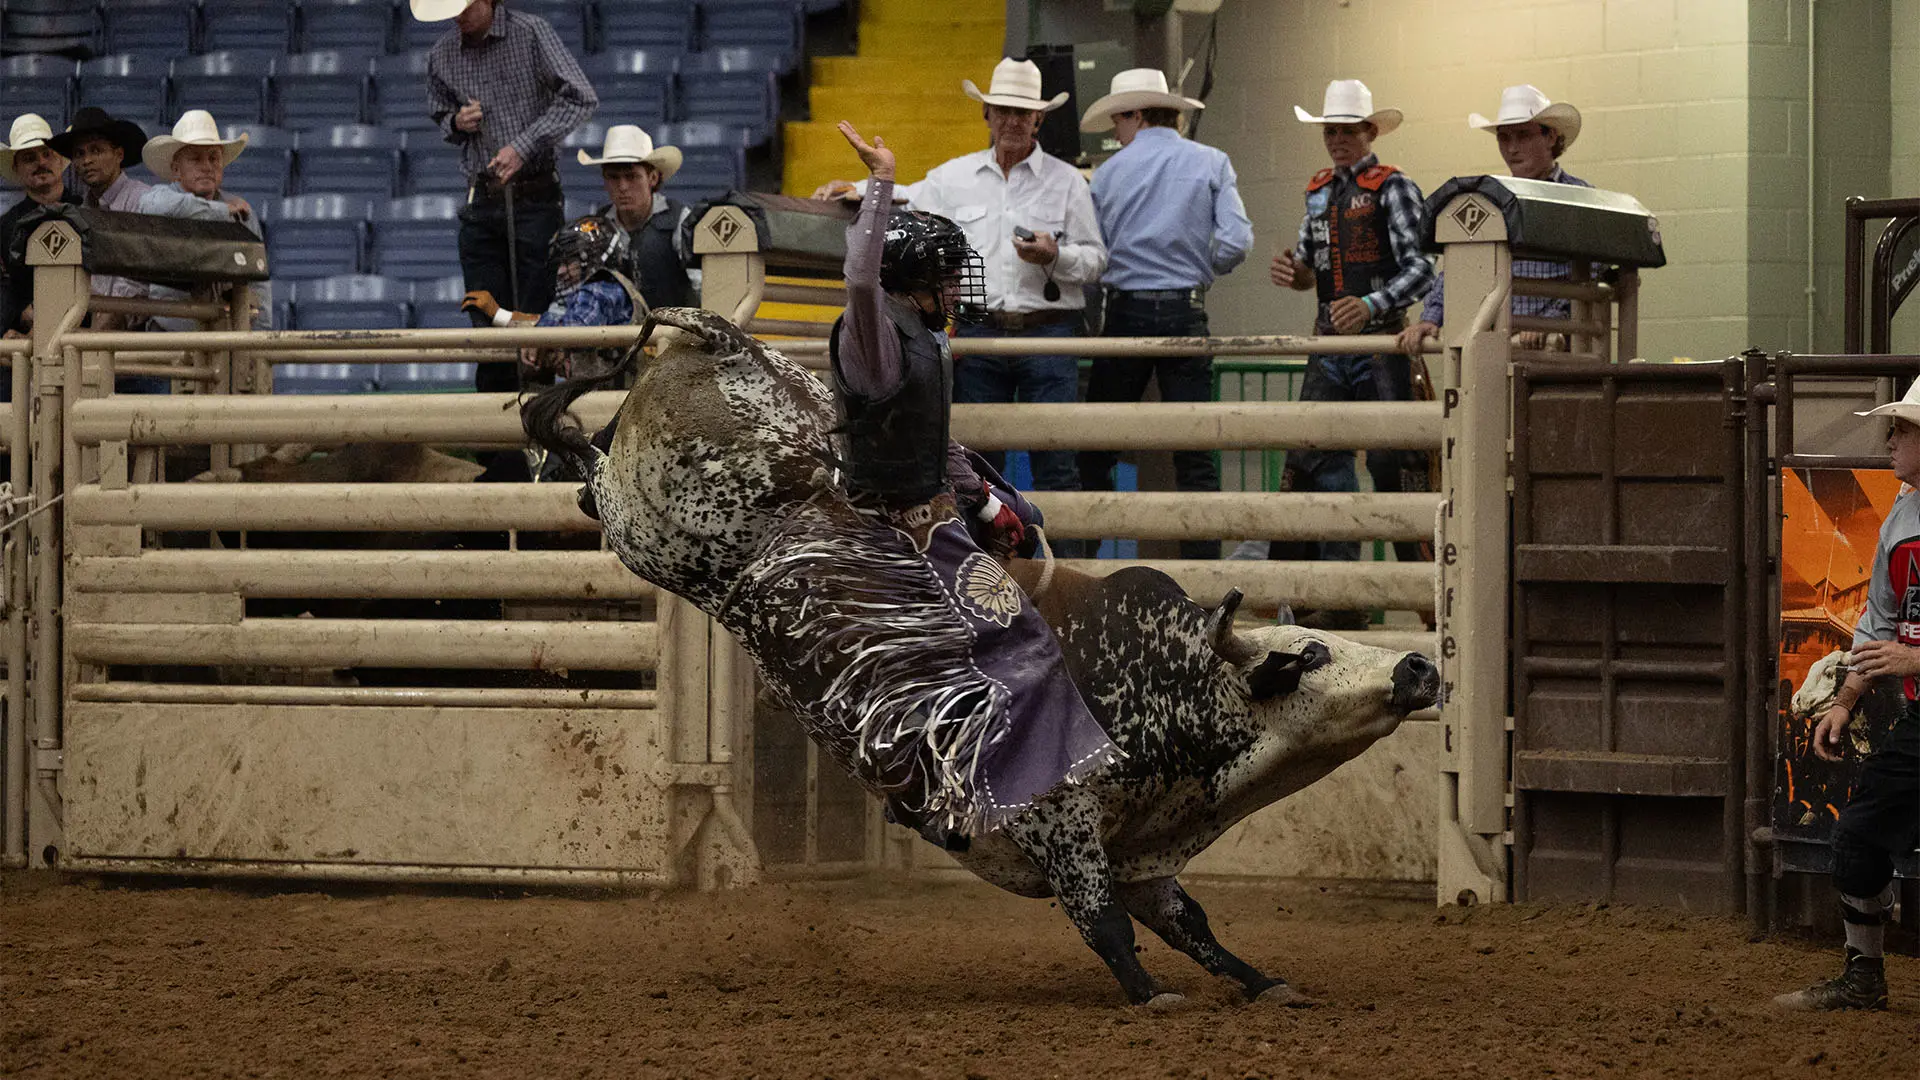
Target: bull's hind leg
1163, 907
1060, 835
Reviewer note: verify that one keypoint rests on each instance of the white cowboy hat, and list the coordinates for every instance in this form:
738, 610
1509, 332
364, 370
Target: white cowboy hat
628, 145
436, 10
194, 128
1527, 105
29, 131
1907, 408
1016, 85
1348, 101
1135, 88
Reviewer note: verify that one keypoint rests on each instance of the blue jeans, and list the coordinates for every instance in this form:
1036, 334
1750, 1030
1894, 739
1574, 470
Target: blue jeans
995, 380
1352, 378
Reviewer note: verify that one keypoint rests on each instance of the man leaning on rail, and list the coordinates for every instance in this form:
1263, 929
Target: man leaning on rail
193, 159
1532, 132
1171, 215
1360, 249
29, 160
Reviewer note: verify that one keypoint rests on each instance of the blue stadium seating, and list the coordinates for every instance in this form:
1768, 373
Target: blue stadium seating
769, 26
246, 25
415, 35
347, 25
315, 236
432, 166
50, 26
130, 87
230, 85
417, 238
729, 86
397, 99
714, 158
579, 206
351, 302
655, 25
351, 159
264, 170
635, 86
569, 19
575, 178
436, 306
323, 89
158, 29
38, 84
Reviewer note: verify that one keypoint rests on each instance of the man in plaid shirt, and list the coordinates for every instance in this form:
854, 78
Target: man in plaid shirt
502, 87
1359, 247
1533, 132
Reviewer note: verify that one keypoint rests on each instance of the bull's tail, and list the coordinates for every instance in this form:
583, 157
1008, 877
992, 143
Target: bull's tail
546, 418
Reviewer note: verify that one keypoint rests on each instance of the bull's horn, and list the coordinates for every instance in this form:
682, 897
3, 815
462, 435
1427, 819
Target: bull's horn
1220, 629
719, 335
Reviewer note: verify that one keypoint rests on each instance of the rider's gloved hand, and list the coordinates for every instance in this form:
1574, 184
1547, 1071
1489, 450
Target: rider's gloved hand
1006, 533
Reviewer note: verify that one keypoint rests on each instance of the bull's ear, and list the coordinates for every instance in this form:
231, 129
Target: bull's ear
1220, 630
1284, 617
1280, 672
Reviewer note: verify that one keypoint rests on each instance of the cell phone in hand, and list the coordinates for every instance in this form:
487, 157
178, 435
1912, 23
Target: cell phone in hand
1021, 232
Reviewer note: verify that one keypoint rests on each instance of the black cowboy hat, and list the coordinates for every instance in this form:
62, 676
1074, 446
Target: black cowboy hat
94, 121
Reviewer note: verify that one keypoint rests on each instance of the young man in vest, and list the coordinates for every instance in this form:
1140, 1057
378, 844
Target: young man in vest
1359, 248
633, 171
1882, 818
590, 289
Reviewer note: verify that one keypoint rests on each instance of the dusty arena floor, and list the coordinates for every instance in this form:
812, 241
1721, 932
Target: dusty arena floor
891, 981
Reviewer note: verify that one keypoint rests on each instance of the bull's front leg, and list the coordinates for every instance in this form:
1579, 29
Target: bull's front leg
1060, 835
1163, 907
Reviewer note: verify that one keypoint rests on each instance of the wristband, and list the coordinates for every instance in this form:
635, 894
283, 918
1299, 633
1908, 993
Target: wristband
503, 317
991, 509
1371, 310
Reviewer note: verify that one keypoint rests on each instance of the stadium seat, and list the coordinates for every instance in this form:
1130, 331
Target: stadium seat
416, 36
654, 25
436, 306
417, 238
575, 178
316, 236
432, 166
264, 171
579, 206
769, 26
130, 87
350, 159
323, 89
346, 25
714, 159
729, 86
38, 84
635, 86
230, 85
568, 17
161, 29
351, 302
397, 99
246, 25
70, 27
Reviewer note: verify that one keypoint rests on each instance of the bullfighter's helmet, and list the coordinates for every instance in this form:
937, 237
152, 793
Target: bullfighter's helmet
593, 242
928, 253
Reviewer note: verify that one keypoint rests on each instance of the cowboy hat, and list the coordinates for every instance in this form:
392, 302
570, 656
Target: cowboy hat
29, 131
195, 128
1526, 105
1135, 88
629, 145
1348, 101
94, 122
437, 10
1016, 85
1907, 408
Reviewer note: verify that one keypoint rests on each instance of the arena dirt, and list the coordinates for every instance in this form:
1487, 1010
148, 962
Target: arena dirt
890, 980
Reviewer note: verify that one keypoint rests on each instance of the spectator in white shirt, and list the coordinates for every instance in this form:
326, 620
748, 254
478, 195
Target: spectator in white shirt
999, 197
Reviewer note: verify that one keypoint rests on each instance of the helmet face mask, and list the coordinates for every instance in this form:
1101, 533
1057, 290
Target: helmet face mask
928, 254
583, 248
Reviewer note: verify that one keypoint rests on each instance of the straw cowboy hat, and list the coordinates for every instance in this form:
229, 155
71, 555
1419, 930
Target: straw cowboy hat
29, 131
628, 145
94, 122
436, 10
1016, 85
1135, 88
1348, 101
195, 128
1907, 408
1527, 105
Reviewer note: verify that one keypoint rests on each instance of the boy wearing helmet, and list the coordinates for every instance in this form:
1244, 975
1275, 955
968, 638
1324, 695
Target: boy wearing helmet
589, 290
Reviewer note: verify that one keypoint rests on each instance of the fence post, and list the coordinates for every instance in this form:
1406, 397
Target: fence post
1471, 548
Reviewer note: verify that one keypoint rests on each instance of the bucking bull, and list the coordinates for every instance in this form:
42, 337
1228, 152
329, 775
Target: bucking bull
718, 454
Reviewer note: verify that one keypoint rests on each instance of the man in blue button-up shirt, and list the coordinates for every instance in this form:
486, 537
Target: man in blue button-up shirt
1171, 214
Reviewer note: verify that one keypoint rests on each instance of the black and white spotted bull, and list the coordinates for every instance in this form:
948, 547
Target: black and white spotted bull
720, 448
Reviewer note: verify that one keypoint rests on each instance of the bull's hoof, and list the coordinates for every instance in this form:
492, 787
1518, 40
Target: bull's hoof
1282, 995
1165, 1001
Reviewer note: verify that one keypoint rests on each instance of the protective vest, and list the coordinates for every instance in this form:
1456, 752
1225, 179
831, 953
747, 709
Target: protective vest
1903, 572
896, 446
586, 363
1351, 234
653, 260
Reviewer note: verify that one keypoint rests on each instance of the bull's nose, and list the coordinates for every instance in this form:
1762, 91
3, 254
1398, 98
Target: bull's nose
1416, 683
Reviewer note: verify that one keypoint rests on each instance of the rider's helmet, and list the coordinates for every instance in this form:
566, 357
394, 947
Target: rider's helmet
592, 244
928, 253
